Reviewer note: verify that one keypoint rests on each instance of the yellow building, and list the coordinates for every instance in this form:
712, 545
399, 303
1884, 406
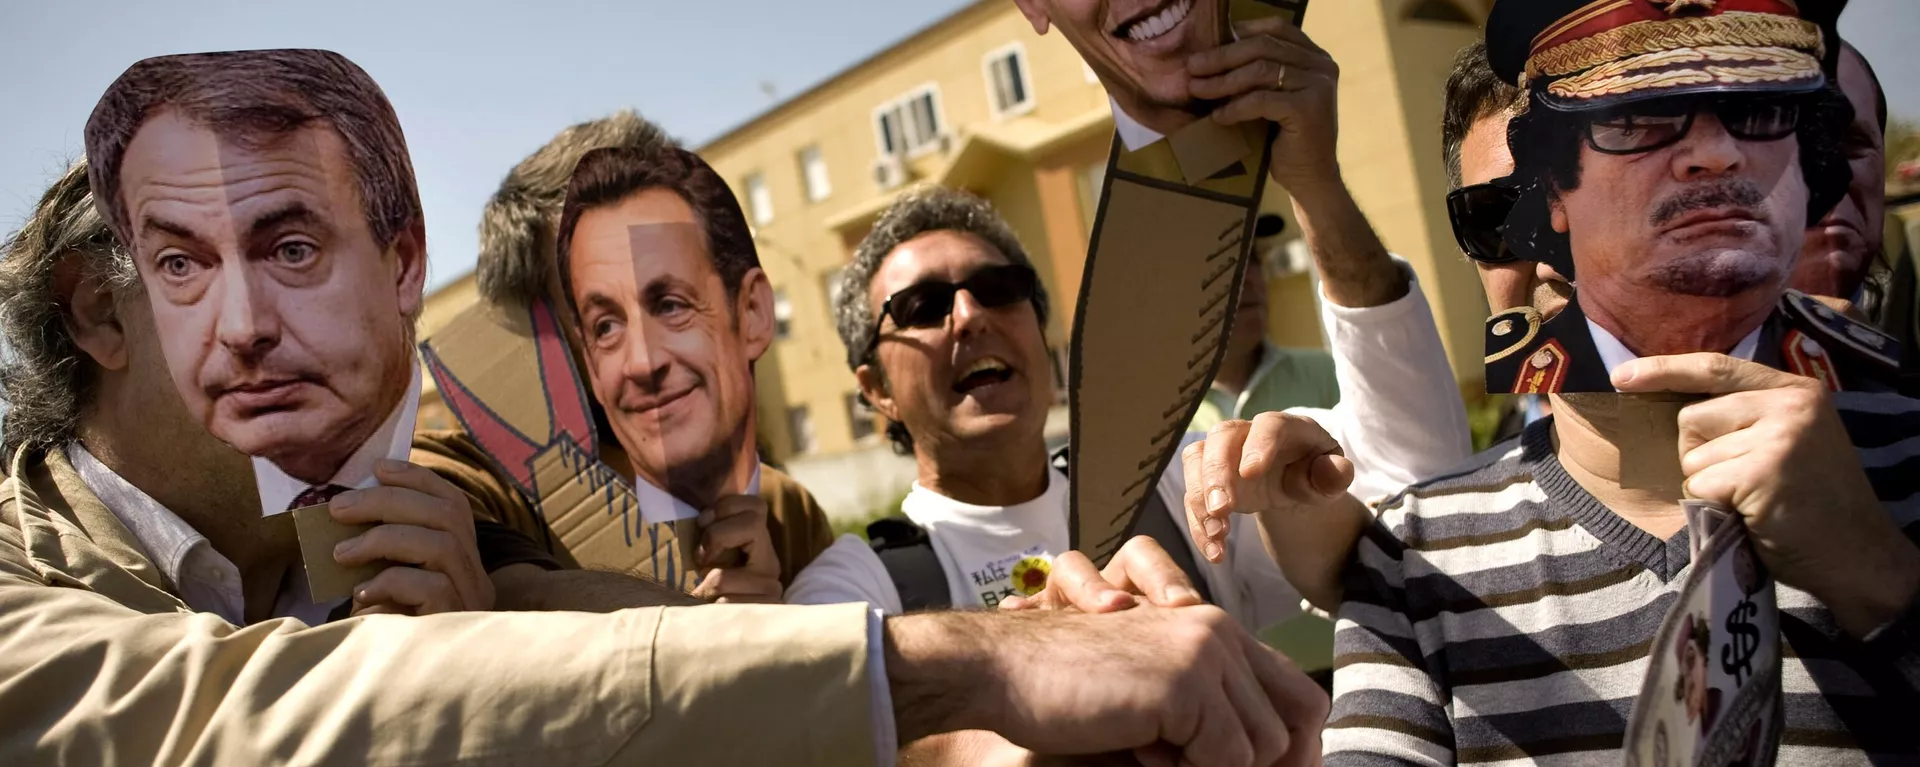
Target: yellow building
978, 101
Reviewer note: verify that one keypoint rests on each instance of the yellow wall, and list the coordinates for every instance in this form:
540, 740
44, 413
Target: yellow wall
1033, 167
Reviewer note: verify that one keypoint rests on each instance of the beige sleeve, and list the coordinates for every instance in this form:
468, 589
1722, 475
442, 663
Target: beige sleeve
86, 680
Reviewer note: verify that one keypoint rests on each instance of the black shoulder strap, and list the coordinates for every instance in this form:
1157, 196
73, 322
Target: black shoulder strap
1156, 522
911, 562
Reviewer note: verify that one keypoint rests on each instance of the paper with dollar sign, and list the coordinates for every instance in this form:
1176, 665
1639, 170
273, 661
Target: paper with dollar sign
1712, 695
1169, 248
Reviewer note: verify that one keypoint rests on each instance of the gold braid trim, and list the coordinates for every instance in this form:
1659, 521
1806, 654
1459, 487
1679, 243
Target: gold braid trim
1757, 65
1734, 28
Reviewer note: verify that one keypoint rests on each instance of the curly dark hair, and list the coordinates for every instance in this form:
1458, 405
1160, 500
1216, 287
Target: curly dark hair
929, 209
1546, 146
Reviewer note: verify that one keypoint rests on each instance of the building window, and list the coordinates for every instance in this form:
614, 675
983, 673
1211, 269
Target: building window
830, 287
813, 173
782, 315
1009, 88
910, 125
759, 199
860, 417
800, 425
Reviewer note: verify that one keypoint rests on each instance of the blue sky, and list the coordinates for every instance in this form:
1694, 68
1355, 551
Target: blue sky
479, 84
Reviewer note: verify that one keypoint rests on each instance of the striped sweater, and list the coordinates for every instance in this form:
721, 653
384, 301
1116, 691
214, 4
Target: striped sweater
1501, 614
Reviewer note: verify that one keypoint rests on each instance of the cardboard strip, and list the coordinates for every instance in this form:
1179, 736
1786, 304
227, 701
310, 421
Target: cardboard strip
327, 579
1171, 243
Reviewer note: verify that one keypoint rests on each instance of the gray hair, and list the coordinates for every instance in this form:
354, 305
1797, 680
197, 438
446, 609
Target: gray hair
517, 229
45, 378
924, 210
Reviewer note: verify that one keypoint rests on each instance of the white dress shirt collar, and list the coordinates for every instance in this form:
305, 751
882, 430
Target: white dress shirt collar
206, 580
658, 506
394, 440
1614, 354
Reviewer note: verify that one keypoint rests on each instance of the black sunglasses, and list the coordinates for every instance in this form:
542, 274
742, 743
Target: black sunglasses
926, 304
1651, 125
1479, 217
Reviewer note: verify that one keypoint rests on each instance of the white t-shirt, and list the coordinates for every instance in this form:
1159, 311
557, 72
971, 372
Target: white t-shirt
1399, 420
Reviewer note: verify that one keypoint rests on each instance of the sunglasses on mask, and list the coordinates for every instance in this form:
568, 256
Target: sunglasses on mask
927, 304
1479, 217
1651, 125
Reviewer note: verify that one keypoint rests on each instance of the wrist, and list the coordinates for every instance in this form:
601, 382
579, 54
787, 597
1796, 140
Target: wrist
937, 669
1318, 189
1879, 587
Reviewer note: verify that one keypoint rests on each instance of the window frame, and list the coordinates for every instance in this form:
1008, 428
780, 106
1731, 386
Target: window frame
755, 212
782, 326
806, 176
794, 432
1017, 51
902, 103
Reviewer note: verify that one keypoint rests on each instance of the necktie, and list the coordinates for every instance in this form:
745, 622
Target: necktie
316, 495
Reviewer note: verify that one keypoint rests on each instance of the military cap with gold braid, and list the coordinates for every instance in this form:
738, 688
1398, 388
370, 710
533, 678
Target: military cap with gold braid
1593, 54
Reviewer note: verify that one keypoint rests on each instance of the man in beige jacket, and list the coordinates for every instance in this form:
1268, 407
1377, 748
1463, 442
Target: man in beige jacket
105, 657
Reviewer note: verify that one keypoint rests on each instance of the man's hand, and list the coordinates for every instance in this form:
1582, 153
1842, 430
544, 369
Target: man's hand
426, 526
1276, 463
1141, 568
736, 544
1185, 685
1770, 445
1275, 72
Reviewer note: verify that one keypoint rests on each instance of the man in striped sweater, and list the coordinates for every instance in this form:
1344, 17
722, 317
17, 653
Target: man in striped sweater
1505, 611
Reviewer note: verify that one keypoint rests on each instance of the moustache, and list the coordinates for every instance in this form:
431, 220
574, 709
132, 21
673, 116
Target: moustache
1728, 193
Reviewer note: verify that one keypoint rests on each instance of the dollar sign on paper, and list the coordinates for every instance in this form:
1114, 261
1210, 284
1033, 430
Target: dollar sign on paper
1743, 640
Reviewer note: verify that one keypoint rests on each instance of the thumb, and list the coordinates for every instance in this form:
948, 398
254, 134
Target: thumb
1331, 475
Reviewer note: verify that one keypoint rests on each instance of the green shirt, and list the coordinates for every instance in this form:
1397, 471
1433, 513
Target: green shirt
1285, 378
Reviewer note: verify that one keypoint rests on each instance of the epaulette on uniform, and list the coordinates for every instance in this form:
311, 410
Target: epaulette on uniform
1817, 331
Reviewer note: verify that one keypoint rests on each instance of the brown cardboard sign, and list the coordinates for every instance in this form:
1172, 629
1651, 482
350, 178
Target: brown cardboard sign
1170, 247
508, 377
319, 533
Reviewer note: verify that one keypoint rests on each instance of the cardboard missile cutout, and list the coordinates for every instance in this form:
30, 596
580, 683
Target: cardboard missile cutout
508, 378
1170, 245
268, 200
669, 351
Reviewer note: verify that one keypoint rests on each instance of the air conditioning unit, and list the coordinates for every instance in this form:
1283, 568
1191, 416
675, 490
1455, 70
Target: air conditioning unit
889, 172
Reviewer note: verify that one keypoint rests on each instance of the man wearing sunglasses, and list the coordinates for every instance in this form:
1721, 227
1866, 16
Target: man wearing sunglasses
1502, 612
944, 319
